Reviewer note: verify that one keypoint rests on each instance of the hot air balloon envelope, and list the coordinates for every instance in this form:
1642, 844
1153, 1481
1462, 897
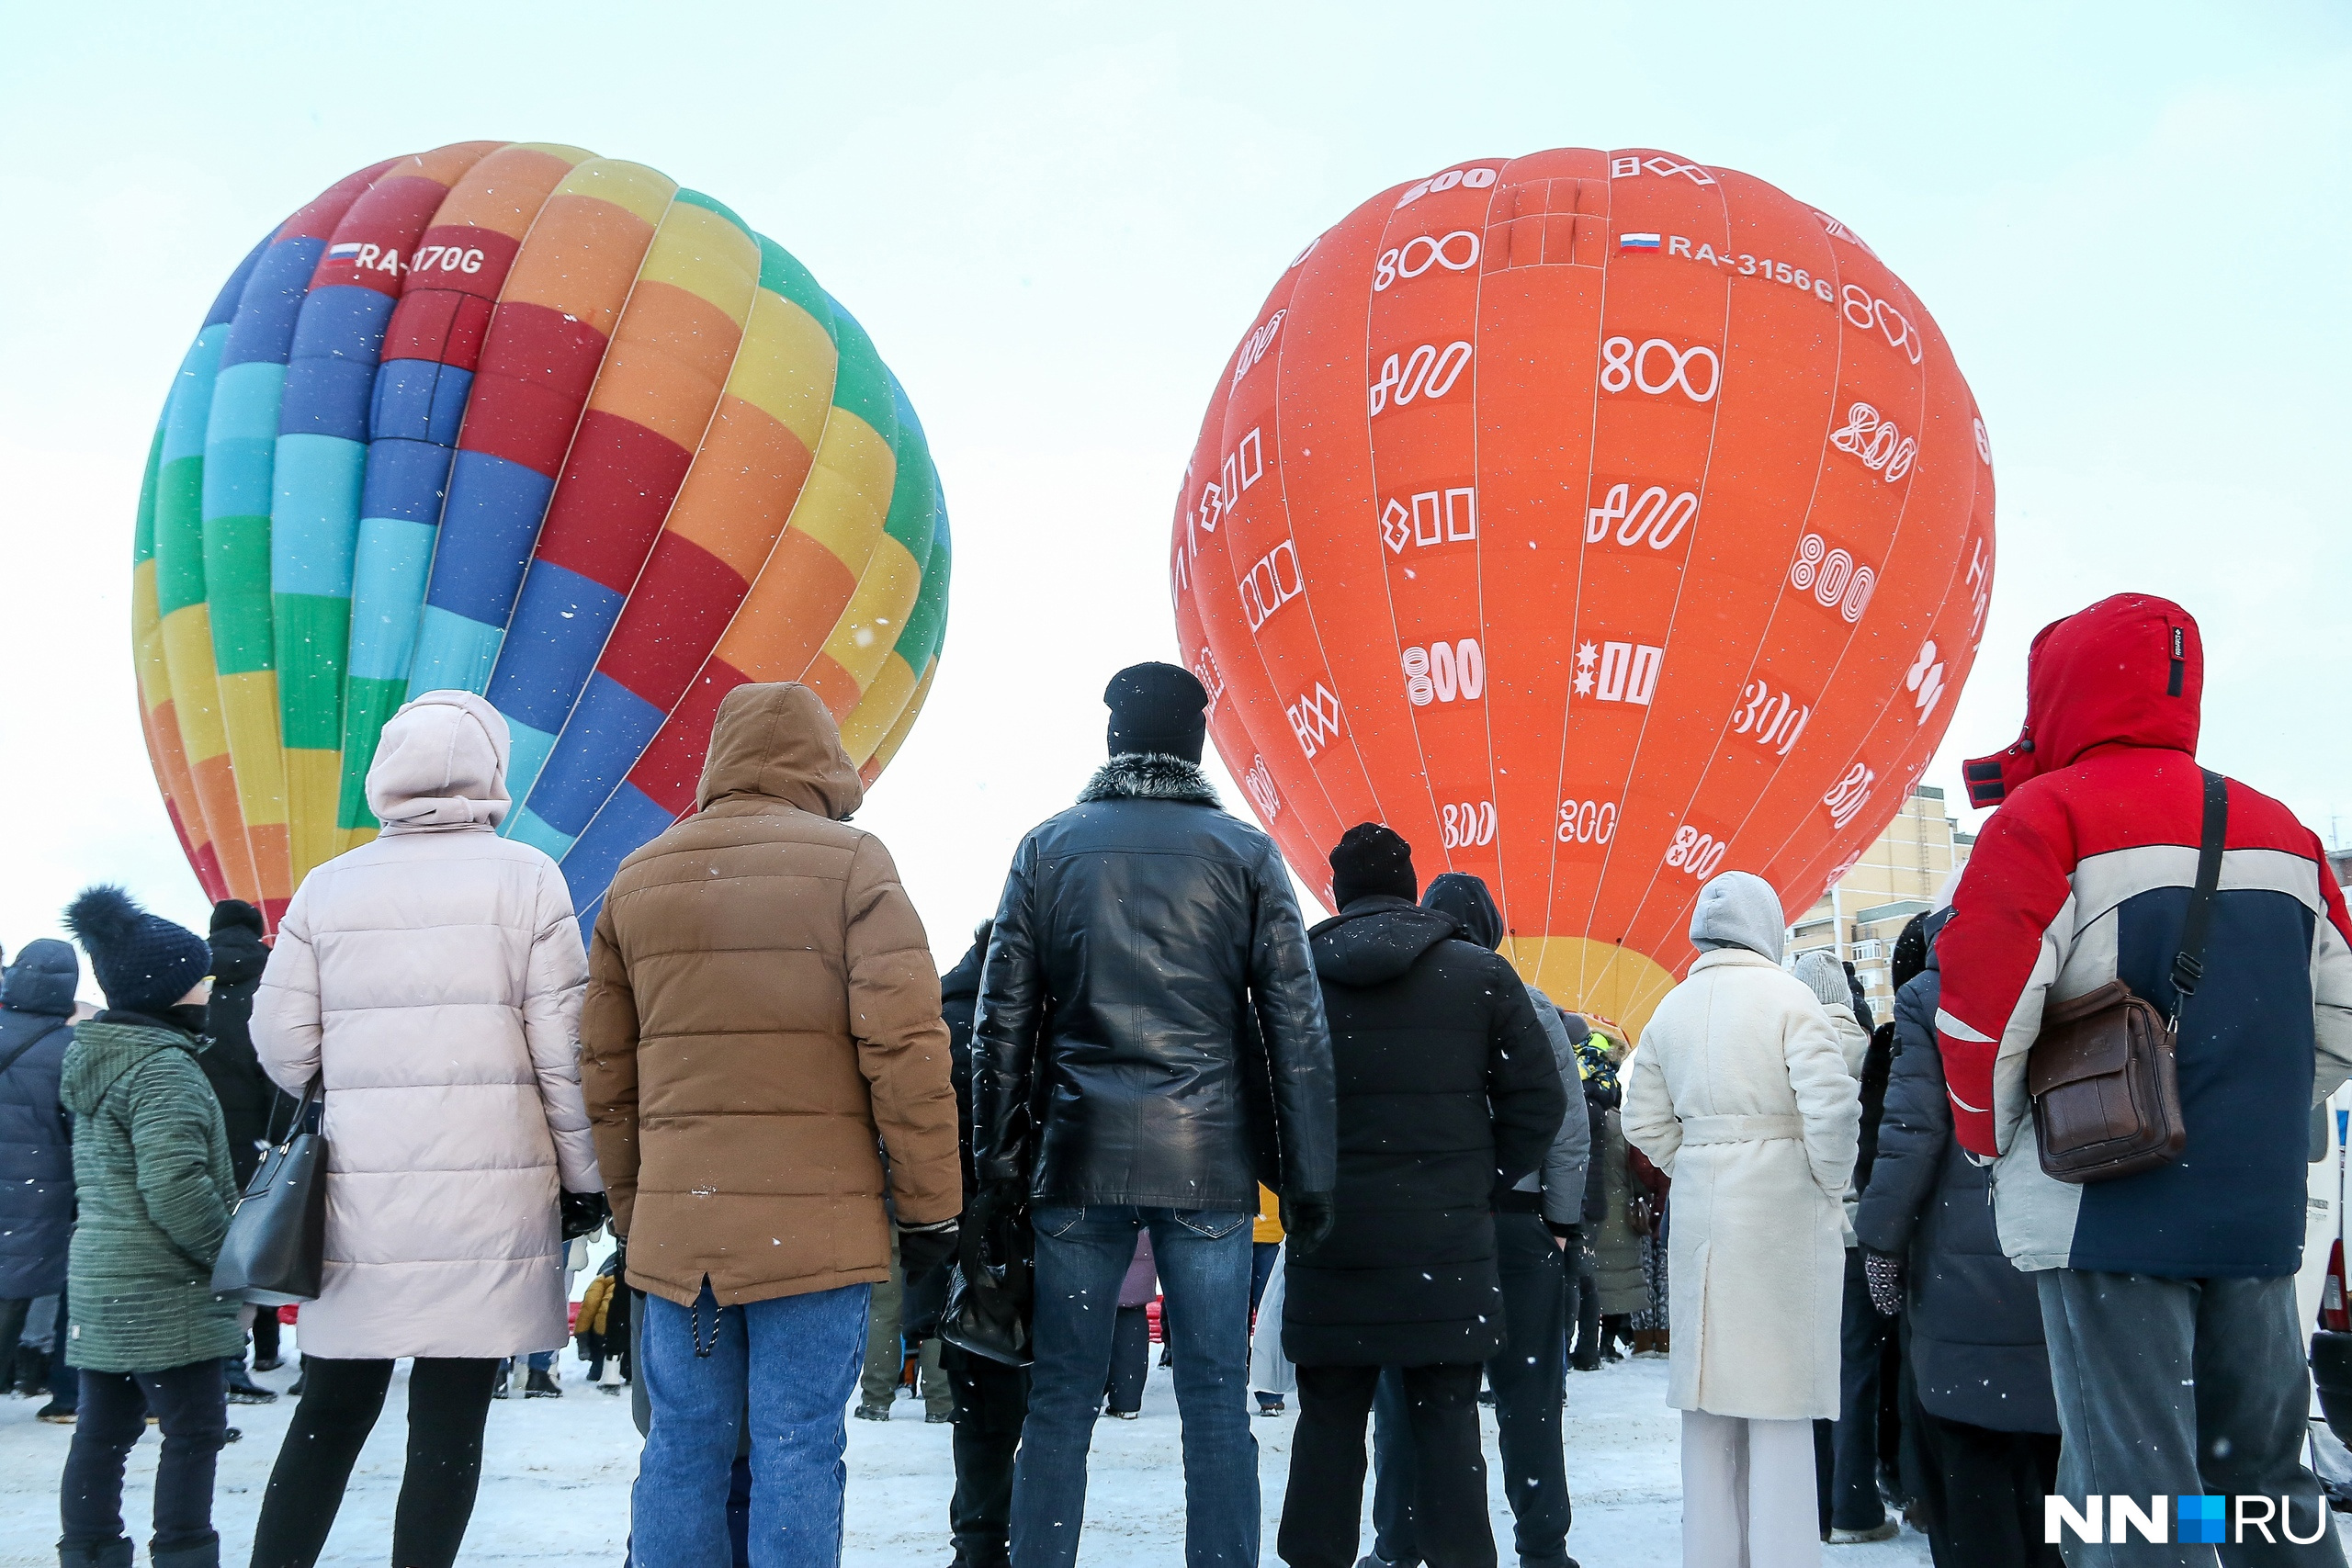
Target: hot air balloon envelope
517, 419
1599, 521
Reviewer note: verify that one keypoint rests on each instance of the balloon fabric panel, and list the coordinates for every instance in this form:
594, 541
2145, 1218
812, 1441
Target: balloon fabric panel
433, 348
736, 500
1599, 521
515, 418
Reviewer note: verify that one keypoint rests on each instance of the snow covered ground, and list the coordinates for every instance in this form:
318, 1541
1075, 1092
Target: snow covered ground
556, 1479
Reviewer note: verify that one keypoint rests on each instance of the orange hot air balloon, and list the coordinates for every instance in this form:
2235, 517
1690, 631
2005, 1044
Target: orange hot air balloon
1599, 521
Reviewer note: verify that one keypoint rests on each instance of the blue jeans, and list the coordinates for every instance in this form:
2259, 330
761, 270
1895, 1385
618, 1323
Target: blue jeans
794, 1359
1203, 1262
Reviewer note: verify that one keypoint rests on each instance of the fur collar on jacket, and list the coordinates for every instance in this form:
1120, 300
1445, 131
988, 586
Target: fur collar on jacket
1149, 775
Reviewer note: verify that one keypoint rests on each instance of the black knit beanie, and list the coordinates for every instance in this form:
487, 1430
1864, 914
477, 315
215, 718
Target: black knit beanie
144, 963
230, 912
1371, 861
1158, 707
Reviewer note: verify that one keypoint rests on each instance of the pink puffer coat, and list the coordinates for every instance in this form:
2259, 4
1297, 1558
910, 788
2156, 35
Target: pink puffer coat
434, 977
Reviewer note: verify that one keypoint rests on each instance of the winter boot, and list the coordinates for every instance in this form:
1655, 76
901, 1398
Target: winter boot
56, 1411
870, 1412
203, 1554
115, 1553
242, 1390
539, 1385
32, 1372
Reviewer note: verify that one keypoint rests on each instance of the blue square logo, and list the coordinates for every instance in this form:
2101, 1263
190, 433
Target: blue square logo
2201, 1520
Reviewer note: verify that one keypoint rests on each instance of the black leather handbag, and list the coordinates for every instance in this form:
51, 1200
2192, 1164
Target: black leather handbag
988, 1288
275, 1253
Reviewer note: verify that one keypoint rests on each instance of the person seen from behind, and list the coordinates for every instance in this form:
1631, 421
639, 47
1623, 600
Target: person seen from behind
427, 983
2168, 1295
1738, 1091
153, 1185
36, 1150
1539, 1243
991, 1396
1449, 1094
1983, 1420
1847, 1450
244, 1091
1149, 1035
763, 1027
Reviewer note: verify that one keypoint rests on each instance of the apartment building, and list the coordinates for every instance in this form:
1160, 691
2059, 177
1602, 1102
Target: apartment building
1897, 877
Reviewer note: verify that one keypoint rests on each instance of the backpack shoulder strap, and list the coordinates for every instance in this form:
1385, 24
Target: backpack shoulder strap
2188, 964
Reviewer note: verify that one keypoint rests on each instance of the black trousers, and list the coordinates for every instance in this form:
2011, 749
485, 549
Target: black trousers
1529, 1377
991, 1404
1986, 1511
266, 1328
1325, 1498
191, 1406
448, 1401
1130, 1358
1860, 1437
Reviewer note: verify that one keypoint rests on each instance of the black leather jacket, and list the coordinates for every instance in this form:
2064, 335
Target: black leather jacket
1149, 1030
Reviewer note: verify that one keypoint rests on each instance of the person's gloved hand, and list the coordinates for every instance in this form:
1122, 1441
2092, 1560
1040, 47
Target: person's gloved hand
1884, 1274
584, 1214
1307, 1219
922, 1248
1568, 1238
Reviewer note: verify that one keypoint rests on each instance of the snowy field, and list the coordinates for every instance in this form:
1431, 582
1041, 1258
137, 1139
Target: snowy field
556, 1478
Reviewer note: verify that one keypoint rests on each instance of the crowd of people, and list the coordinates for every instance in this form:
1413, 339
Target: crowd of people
1363, 1164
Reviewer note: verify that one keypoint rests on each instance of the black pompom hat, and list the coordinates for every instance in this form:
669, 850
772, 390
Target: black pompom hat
144, 963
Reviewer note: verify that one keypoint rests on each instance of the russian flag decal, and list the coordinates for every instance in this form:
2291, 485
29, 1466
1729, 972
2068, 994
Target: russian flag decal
1637, 242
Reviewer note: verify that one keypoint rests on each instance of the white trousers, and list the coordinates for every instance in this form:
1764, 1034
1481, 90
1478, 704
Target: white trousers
1748, 1498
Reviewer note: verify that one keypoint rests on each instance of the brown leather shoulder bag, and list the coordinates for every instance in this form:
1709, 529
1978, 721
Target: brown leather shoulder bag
2106, 1089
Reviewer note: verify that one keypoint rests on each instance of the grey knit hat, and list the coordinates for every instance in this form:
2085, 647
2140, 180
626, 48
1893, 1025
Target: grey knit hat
1826, 977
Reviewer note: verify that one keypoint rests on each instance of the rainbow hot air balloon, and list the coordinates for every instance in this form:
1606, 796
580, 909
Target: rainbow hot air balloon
514, 418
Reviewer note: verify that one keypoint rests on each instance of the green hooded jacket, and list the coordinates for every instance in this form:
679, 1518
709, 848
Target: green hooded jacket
151, 1173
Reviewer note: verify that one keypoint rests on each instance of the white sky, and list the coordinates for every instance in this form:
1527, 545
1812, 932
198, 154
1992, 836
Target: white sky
2131, 220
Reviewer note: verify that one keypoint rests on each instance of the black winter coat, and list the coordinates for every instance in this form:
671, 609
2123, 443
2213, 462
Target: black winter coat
35, 1135
244, 1091
1977, 1348
1147, 982
1448, 1094
959, 994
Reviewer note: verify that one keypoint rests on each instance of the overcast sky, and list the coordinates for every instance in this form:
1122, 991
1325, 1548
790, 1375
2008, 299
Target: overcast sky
2130, 220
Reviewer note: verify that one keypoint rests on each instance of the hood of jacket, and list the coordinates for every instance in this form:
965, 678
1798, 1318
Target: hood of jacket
775, 738
441, 763
42, 979
1930, 928
1376, 939
2128, 671
1740, 909
103, 1051
1465, 897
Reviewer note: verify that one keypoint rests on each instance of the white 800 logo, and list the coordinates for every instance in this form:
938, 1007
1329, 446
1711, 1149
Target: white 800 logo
1408, 260
1444, 670
1874, 439
1426, 372
1836, 580
1468, 825
1587, 822
1848, 794
1927, 680
1623, 365
1696, 852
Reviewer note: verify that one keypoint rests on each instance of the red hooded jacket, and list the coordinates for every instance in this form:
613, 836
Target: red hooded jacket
2082, 876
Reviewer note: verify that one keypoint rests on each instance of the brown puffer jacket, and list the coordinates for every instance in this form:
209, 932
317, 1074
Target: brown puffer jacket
762, 1004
